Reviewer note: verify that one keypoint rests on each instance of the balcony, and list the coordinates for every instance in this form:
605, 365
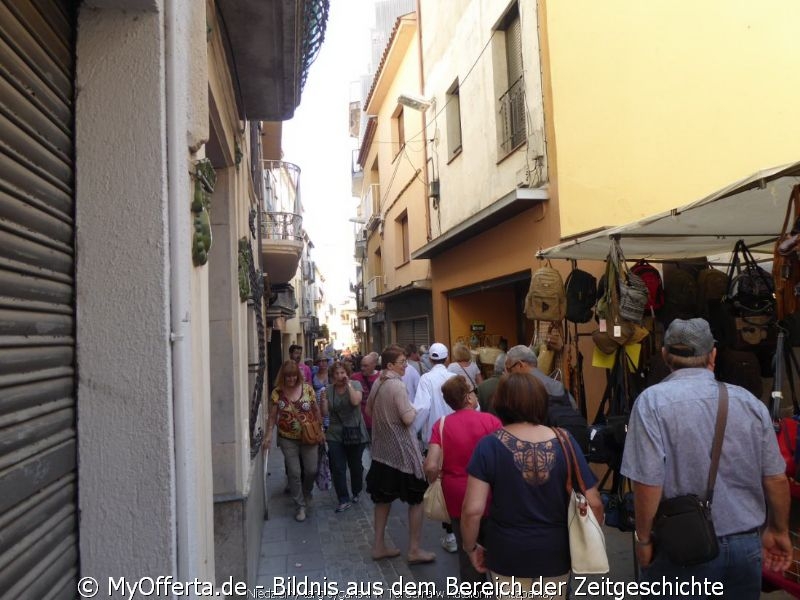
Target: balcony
356, 174
281, 245
512, 116
374, 288
281, 221
282, 303
361, 244
371, 206
272, 45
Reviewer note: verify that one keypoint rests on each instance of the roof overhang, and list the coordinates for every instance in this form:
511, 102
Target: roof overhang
402, 35
508, 206
751, 209
420, 285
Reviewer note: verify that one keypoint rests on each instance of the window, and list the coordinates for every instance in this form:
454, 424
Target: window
398, 130
512, 98
453, 118
403, 251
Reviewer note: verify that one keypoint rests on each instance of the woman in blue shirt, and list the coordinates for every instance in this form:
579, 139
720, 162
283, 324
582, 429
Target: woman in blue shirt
524, 470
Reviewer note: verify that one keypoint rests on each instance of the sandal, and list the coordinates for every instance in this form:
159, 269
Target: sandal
343, 507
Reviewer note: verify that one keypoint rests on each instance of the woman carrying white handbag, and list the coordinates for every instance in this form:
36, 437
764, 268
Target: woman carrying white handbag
534, 499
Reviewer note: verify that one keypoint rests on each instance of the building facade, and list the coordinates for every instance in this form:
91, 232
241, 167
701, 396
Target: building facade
393, 211
131, 270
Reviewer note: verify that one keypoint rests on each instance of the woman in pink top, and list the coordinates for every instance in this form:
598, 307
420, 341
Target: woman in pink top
461, 432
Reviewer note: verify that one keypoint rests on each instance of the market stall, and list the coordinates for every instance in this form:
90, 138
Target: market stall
753, 310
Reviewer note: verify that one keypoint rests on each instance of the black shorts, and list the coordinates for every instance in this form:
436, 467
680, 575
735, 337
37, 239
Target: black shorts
386, 484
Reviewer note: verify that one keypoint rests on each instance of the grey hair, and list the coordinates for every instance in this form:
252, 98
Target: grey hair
522, 353
500, 364
675, 362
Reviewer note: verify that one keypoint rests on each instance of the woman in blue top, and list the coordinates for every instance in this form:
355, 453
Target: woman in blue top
524, 469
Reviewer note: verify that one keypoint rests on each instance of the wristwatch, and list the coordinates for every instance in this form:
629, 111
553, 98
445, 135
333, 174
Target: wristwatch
641, 542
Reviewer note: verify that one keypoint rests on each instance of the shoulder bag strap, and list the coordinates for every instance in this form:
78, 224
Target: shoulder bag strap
472, 381
567, 458
719, 434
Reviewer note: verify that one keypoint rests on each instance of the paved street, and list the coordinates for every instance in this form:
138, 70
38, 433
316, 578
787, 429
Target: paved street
335, 548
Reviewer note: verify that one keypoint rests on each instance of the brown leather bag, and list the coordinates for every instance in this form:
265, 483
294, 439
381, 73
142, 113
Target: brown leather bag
311, 432
786, 262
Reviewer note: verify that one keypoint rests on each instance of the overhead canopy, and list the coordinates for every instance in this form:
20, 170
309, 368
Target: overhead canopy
751, 209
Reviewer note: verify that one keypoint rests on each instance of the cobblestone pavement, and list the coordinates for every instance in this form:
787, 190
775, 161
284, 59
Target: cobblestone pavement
331, 548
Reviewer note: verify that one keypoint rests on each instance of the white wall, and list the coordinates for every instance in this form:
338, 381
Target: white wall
457, 43
125, 428
144, 492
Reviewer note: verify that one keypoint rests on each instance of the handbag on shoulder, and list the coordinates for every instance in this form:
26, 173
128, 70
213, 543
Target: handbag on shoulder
433, 503
683, 528
587, 543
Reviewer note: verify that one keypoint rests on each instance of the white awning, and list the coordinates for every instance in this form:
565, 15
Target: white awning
751, 209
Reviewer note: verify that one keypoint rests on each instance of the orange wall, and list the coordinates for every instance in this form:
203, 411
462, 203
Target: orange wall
483, 306
502, 251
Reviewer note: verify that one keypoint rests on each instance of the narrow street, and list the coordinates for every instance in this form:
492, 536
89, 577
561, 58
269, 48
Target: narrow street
335, 548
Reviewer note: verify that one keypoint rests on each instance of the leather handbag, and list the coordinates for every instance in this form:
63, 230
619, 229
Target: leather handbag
433, 504
587, 544
311, 432
683, 529
786, 262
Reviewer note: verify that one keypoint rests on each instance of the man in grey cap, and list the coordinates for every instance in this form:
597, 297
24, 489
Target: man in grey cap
667, 454
561, 409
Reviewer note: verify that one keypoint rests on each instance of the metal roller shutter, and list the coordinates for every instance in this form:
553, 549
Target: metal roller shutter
38, 515
412, 331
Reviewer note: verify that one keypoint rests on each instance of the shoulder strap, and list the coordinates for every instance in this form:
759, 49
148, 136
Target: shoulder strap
472, 381
572, 462
719, 434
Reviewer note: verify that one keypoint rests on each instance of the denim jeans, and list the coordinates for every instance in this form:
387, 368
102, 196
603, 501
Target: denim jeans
341, 457
738, 568
299, 456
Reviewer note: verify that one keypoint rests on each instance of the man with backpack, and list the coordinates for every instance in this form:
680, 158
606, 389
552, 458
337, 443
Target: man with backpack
561, 410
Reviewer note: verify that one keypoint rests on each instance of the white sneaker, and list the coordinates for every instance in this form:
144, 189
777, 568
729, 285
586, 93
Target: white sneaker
449, 543
300, 515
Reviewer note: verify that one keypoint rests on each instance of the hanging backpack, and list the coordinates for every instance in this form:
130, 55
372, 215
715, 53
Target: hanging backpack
581, 292
546, 299
652, 279
680, 294
712, 285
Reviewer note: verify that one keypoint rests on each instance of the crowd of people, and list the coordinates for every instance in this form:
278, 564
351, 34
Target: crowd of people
498, 450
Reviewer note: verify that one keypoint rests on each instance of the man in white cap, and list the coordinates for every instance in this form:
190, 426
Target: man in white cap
667, 454
430, 405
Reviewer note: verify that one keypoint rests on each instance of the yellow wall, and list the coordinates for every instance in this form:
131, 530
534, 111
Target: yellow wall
656, 104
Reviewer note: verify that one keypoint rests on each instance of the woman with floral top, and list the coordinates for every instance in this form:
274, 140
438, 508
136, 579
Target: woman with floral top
292, 403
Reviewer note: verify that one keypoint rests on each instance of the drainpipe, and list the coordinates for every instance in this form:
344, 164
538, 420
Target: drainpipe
428, 234
188, 546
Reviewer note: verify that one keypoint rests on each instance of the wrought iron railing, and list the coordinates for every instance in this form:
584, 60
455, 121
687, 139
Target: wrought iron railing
314, 23
281, 226
512, 116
